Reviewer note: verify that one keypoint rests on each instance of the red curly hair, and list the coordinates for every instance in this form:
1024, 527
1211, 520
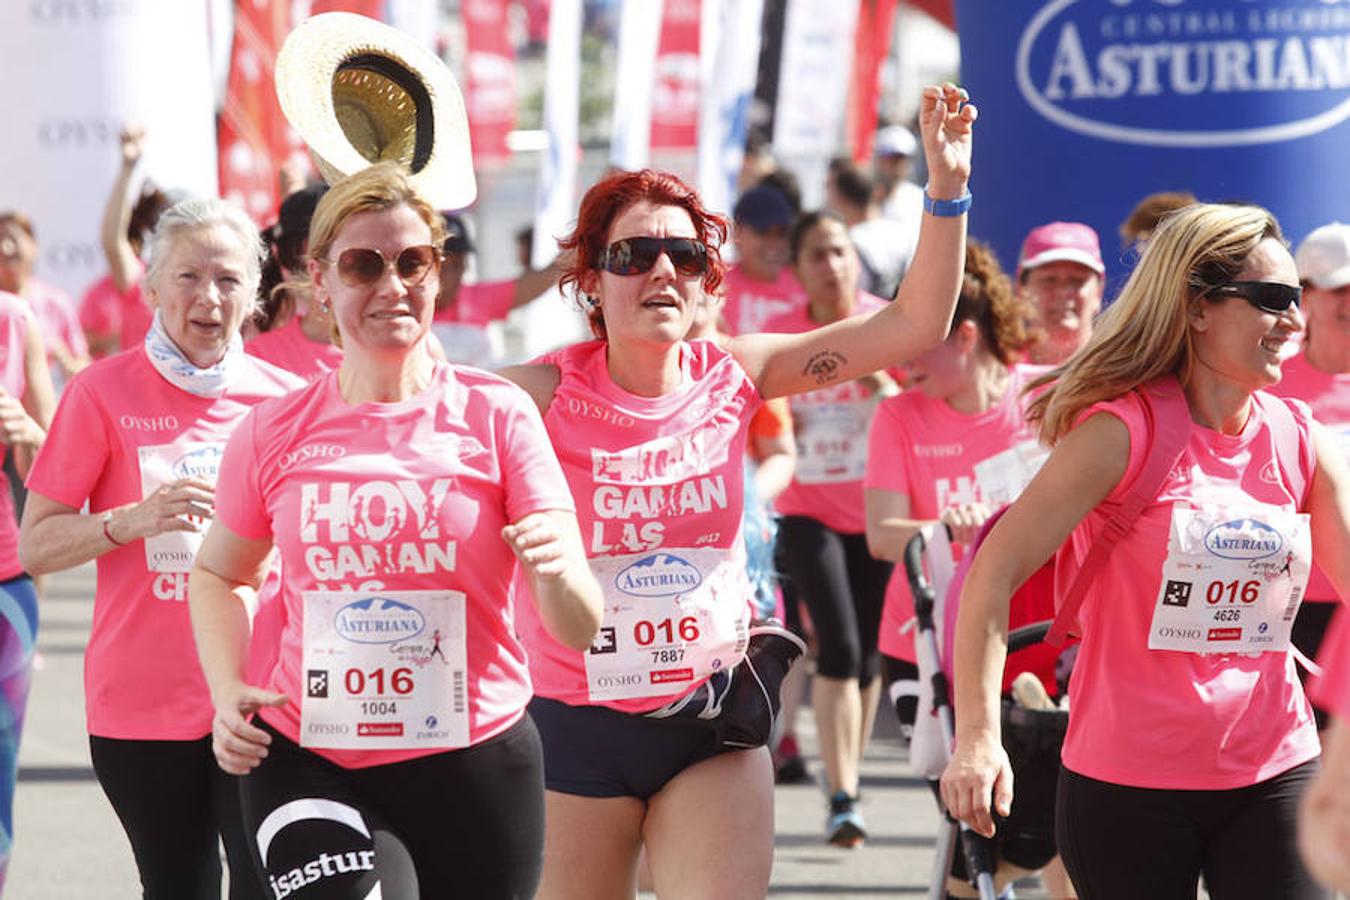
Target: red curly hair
610, 197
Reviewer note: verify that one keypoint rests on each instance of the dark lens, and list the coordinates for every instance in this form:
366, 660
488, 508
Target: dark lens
414, 263
688, 256
1268, 296
360, 266
629, 256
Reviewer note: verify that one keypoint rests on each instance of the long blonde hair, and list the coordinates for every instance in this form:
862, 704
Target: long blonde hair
1145, 333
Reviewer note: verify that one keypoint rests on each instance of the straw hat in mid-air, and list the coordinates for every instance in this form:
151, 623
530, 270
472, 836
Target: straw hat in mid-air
359, 92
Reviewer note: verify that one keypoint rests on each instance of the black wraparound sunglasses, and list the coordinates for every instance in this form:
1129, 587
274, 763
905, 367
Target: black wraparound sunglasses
1267, 296
635, 255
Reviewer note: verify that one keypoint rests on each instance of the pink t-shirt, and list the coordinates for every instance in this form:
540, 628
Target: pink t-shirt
14, 379
105, 310
407, 496
659, 488
117, 423
924, 449
751, 304
1331, 690
289, 348
1169, 719
56, 318
1329, 398
831, 430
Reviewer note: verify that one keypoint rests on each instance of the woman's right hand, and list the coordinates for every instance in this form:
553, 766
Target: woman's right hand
979, 772
964, 521
173, 506
239, 745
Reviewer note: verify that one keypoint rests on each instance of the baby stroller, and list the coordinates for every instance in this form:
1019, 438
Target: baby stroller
1033, 730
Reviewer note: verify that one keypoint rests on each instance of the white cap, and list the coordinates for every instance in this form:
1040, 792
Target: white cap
1323, 259
895, 140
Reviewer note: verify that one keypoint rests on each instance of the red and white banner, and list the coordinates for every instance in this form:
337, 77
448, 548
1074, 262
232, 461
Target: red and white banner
675, 92
489, 78
876, 27
253, 137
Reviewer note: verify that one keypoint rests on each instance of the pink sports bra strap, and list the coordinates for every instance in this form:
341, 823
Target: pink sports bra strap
1169, 421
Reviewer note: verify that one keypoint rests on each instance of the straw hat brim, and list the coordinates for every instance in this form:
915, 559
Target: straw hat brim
315, 53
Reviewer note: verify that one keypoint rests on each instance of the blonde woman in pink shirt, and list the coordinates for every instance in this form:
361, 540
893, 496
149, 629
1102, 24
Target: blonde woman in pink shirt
391, 754
1190, 739
651, 434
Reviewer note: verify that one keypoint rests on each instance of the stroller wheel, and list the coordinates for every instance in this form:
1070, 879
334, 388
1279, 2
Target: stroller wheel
844, 827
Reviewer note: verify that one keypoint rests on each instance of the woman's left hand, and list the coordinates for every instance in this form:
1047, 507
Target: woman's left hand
946, 120
16, 426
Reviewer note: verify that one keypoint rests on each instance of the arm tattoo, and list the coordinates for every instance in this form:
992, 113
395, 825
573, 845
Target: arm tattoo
824, 366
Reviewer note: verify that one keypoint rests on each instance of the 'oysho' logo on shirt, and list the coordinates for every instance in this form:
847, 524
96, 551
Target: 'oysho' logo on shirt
148, 423
310, 451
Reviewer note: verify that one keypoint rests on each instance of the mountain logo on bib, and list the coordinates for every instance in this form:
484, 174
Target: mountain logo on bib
202, 463
1243, 539
658, 575
378, 620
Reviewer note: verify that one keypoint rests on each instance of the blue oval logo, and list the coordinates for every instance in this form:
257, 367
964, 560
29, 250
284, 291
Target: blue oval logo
378, 620
1243, 539
204, 463
658, 575
1150, 71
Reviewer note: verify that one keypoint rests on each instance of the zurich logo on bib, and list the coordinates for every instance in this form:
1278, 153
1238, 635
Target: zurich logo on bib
1102, 102
658, 575
378, 620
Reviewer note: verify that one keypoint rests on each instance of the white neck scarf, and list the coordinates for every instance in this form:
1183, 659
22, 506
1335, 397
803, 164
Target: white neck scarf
178, 370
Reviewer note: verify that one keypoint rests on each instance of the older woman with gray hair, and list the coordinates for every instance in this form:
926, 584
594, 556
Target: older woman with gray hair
138, 436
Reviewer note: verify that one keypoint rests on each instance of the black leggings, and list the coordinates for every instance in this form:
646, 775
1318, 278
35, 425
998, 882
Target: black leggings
843, 588
463, 823
176, 804
1126, 842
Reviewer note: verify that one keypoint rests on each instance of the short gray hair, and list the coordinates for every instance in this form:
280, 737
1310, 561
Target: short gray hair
206, 212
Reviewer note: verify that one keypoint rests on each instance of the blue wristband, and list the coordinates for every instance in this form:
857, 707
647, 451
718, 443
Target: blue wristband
947, 208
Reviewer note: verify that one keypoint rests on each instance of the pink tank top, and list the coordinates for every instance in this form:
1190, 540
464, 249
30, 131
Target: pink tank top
1172, 719
658, 483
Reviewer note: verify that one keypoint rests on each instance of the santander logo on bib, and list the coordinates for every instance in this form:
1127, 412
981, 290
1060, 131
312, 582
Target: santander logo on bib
1243, 539
378, 620
1188, 73
658, 575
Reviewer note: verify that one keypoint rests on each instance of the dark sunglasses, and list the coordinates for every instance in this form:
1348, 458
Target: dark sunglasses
633, 256
1267, 296
363, 266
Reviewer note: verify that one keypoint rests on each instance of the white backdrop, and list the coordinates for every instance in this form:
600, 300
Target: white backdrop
74, 73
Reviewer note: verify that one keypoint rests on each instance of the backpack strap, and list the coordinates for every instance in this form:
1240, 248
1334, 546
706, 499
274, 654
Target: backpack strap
1289, 445
1169, 421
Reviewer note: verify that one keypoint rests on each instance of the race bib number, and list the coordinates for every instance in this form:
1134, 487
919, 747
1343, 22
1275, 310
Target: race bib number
1003, 476
832, 442
384, 670
672, 618
174, 551
1232, 581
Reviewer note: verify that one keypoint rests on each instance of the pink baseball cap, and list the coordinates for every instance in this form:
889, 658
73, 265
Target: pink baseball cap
1061, 242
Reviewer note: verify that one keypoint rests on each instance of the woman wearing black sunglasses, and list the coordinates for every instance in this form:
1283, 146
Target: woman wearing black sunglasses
1190, 739
651, 434
391, 754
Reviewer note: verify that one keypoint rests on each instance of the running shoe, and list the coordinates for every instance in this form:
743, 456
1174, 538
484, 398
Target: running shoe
788, 765
844, 827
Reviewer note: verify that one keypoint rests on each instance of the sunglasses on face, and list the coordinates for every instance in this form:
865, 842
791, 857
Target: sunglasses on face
1267, 296
633, 256
363, 266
